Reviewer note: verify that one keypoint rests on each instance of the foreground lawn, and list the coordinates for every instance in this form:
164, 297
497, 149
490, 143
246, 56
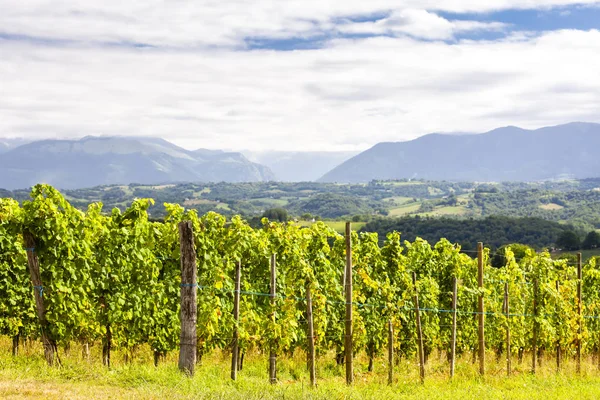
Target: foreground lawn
27, 377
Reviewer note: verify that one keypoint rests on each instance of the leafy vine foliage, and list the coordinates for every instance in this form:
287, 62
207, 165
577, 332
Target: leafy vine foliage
115, 279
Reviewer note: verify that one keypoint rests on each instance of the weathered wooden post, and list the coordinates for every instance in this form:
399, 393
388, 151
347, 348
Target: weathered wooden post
390, 352
235, 350
558, 349
419, 331
579, 311
189, 304
348, 286
507, 311
453, 338
311, 338
535, 325
272, 353
33, 263
481, 309
15, 345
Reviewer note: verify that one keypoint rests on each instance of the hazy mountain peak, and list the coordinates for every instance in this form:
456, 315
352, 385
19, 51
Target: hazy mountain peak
101, 160
504, 154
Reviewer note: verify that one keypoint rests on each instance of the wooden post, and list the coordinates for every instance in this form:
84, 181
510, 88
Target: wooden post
311, 338
85, 351
189, 303
419, 331
106, 341
507, 311
481, 309
236, 320
558, 349
535, 326
390, 352
273, 354
15, 345
579, 308
453, 338
33, 264
348, 286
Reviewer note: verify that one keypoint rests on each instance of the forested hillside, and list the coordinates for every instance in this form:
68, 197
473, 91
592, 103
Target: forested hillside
385, 204
494, 231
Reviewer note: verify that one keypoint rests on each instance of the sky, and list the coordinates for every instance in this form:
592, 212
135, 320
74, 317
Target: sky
294, 75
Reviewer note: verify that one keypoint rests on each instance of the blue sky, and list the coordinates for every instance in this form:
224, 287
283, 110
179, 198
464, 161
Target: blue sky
295, 74
572, 17
534, 21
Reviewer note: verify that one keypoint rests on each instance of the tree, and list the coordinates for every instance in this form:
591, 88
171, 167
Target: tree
276, 214
591, 241
568, 240
452, 200
306, 217
519, 252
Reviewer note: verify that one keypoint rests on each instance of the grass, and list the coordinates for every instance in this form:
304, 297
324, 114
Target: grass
434, 191
201, 192
448, 210
197, 201
340, 226
270, 201
27, 377
551, 207
585, 254
398, 200
404, 209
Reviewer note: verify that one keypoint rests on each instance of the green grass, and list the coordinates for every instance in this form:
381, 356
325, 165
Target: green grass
27, 377
398, 200
551, 207
585, 254
404, 209
270, 201
448, 210
434, 191
338, 226
201, 192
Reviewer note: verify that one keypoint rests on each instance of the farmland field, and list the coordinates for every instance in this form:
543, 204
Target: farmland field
449, 210
338, 226
404, 209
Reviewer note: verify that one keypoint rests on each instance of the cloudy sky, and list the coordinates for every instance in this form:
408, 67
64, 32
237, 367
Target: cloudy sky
294, 74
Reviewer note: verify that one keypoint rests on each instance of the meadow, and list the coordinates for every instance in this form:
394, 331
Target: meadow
27, 376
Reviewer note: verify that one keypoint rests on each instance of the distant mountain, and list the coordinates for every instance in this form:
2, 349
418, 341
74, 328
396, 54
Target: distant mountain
8, 144
300, 166
504, 154
91, 161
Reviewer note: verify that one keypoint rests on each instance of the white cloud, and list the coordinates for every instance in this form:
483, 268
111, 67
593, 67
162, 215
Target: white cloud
198, 91
327, 98
218, 22
418, 23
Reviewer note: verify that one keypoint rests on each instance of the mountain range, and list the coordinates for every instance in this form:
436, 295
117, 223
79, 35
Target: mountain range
504, 154
93, 161
8, 144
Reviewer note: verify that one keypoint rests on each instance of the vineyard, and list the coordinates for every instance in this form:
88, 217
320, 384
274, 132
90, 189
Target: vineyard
119, 280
